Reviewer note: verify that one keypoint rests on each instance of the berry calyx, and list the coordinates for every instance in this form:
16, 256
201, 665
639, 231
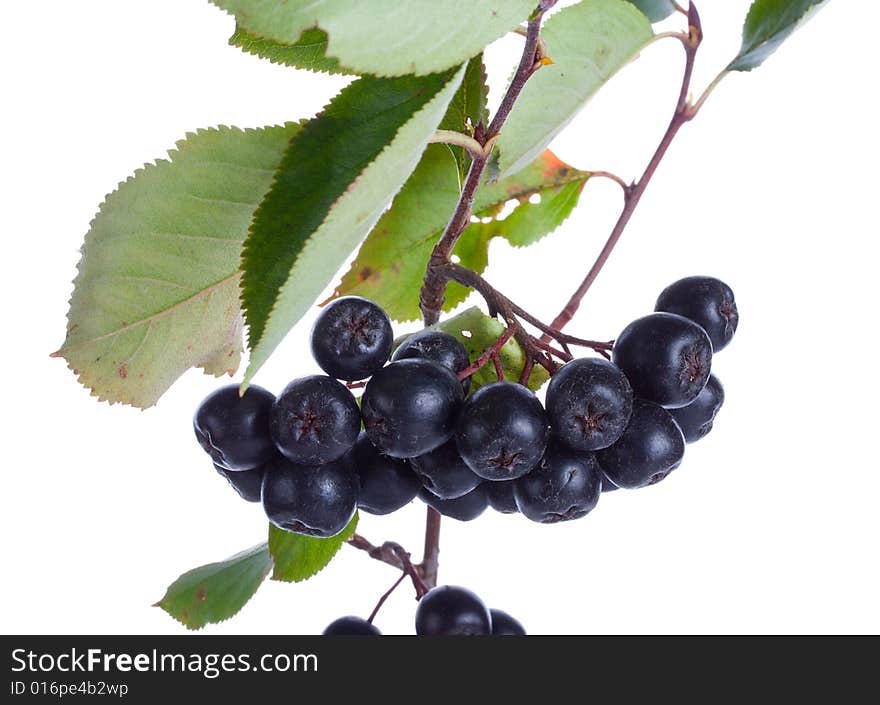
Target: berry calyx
502, 431
452, 611
248, 483
352, 338
315, 420
409, 407
697, 418
706, 301
438, 346
589, 402
505, 625
234, 429
651, 447
444, 473
351, 626
315, 500
465, 508
386, 483
565, 485
666, 358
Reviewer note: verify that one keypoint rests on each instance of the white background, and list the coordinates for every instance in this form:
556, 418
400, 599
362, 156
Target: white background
770, 526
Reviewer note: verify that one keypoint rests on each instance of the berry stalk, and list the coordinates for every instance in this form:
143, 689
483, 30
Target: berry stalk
684, 113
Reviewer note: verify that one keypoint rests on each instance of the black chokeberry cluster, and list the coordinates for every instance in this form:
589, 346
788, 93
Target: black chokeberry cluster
447, 610
313, 455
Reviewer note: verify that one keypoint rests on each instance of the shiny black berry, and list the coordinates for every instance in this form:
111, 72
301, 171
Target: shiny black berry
589, 402
248, 483
234, 429
351, 626
706, 301
409, 407
666, 358
386, 483
352, 338
315, 500
465, 508
565, 485
501, 497
444, 472
315, 420
452, 611
438, 346
651, 447
502, 431
505, 625
696, 419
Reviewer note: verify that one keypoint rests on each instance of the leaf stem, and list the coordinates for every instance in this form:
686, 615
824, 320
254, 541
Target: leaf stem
683, 114
474, 148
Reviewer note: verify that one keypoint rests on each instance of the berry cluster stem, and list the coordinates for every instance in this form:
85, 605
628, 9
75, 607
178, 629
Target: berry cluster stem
684, 113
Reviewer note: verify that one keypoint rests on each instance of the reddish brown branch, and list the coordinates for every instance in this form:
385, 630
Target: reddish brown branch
683, 114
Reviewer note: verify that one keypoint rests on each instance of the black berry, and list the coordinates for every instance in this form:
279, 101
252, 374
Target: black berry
315, 500
352, 338
502, 431
589, 402
444, 472
248, 483
501, 497
409, 407
315, 420
696, 419
505, 625
234, 429
465, 508
438, 346
565, 485
452, 611
667, 358
651, 447
351, 626
386, 483
706, 301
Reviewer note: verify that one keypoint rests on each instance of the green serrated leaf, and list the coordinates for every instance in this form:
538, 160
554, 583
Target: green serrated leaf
391, 263
309, 52
299, 557
217, 591
768, 24
468, 108
655, 10
588, 43
478, 332
337, 176
158, 284
386, 37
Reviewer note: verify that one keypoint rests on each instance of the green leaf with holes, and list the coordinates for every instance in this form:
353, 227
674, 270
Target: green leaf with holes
157, 290
299, 557
386, 37
768, 24
335, 180
478, 332
215, 592
588, 42
391, 263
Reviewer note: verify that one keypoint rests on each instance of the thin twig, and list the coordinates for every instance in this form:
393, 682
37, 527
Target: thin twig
385, 597
488, 353
683, 114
